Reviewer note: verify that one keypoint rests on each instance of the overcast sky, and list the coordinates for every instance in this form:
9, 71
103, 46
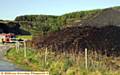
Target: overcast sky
9, 9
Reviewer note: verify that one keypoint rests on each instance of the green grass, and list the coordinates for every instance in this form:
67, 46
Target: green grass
63, 63
28, 37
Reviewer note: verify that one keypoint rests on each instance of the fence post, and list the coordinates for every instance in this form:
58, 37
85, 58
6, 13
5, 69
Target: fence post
86, 59
45, 55
45, 58
17, 46
24, 48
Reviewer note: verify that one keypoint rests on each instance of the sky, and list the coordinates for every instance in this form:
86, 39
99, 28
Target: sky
9, 9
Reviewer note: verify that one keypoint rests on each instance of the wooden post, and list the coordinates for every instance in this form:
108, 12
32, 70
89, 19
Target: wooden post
25, 49
45, 58
86, 61
45, 55
17, 46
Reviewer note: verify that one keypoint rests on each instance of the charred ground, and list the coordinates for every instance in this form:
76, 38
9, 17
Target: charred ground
104, 39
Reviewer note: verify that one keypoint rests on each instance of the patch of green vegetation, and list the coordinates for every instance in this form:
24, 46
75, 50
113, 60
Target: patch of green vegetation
28, 37
61, 63
30, 62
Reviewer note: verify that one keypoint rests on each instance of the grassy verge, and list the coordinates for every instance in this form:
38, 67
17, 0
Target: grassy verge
62, 63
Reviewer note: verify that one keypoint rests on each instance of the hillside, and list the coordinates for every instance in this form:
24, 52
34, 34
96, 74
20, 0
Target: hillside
106, 17
47, 23
43, 24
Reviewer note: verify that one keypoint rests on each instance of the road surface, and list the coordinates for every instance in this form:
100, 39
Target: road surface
4, 64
